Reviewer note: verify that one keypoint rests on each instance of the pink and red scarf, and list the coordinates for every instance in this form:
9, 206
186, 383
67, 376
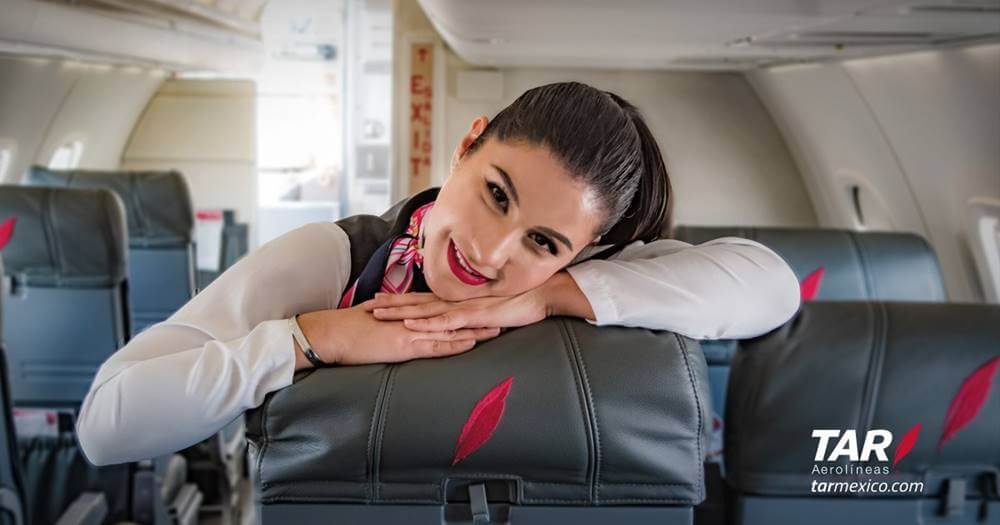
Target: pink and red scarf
404, 260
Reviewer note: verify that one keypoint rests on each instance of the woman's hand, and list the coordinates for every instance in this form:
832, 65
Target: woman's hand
353, 336
425, 312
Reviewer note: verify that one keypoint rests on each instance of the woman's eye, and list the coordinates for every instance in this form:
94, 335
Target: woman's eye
544, 242
499, 196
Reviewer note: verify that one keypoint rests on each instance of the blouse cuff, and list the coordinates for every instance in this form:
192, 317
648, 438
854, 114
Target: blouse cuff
590, 279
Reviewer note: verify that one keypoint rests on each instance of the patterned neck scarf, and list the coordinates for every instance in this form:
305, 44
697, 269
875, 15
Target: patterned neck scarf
402, 267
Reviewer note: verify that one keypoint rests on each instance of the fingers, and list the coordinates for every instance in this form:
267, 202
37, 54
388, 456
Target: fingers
459, 335
451, 320
398, 313
431, 348
387, 300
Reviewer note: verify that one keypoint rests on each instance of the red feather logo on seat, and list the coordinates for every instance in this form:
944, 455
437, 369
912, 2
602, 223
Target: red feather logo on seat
7, 231
809, 287
969, 400
483, 420
906, 444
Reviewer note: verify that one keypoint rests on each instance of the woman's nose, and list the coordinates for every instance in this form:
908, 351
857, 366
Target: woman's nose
490, 252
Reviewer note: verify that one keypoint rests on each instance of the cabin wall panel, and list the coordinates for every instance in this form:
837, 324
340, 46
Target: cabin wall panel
45, 102
206, 130
728, 163
923, 128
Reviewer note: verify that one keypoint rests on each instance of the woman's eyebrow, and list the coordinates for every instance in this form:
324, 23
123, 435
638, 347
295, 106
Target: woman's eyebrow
558, 236
507, 182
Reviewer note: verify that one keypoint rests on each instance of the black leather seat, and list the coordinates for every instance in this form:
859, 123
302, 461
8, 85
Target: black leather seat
160, 224
863, 366
598, 425
856, 266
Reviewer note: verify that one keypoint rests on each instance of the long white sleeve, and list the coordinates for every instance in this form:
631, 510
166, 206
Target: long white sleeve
181, 380
722, 289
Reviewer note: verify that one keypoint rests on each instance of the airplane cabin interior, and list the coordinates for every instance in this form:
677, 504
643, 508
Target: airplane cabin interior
149, 147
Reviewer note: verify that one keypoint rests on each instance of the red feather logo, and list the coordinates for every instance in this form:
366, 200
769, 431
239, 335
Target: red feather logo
7, 231
969, 400
809, 286
906, 444
483, 420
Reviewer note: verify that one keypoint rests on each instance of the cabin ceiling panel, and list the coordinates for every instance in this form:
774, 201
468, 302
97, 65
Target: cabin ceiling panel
700, 34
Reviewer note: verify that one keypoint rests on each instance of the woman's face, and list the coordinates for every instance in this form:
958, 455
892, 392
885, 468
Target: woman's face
508, 217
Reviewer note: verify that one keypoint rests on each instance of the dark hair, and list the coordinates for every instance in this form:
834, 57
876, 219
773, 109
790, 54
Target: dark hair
604, 142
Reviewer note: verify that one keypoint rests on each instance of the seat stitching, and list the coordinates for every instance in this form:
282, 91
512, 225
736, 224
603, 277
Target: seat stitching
593, 412
701, 423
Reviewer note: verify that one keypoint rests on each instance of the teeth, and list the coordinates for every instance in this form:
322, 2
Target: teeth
463, 263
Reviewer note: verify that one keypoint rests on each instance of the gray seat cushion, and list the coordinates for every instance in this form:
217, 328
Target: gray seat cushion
844, 365
592, 416
157, 203
64, 238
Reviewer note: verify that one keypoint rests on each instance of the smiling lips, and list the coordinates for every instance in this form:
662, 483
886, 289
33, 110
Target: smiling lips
461, 267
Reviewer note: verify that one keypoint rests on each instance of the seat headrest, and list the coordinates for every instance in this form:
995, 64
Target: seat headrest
556, 412
64, 237
873, 266
157, 203
866, 366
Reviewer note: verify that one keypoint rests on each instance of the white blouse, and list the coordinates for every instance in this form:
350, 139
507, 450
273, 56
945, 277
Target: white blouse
181, 380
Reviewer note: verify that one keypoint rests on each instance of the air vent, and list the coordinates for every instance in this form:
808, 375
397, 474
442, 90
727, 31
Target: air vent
732, 62
864, 39
956, 9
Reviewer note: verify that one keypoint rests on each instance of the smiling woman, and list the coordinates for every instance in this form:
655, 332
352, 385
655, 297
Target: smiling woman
552, 208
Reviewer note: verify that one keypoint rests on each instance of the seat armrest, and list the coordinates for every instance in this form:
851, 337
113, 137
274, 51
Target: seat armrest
91, 508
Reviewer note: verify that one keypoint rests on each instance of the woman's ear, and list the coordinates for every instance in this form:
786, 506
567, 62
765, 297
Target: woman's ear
477, 129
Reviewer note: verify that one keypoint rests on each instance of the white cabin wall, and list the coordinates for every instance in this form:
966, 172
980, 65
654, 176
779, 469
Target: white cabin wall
727, 161
206, 129
920, 131
46, 102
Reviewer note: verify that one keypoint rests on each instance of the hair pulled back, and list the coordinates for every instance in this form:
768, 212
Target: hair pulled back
603, 142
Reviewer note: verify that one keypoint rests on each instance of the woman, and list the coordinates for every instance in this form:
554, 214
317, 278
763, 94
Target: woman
565, 174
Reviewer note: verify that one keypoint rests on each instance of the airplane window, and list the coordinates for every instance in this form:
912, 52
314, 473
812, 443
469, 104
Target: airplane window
6, 158
985, 244
67, 156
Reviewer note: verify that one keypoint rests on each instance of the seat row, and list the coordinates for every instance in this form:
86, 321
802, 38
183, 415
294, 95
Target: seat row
872, 405
94, 258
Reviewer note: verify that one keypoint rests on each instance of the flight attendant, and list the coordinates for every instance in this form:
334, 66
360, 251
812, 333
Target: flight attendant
555, 207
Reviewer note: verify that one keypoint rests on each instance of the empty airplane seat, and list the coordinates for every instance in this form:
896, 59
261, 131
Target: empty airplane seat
919, 371
12, 503
65, 309
844, 265
160, 229
89, 507
857, 266
555, 422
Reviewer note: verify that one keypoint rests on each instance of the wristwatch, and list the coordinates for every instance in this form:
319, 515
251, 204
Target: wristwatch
300, 338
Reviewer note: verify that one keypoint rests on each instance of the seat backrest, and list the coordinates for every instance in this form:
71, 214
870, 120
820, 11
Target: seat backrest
857, 266
11, 486
160, 225
582, 424
916, 370
66, 305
